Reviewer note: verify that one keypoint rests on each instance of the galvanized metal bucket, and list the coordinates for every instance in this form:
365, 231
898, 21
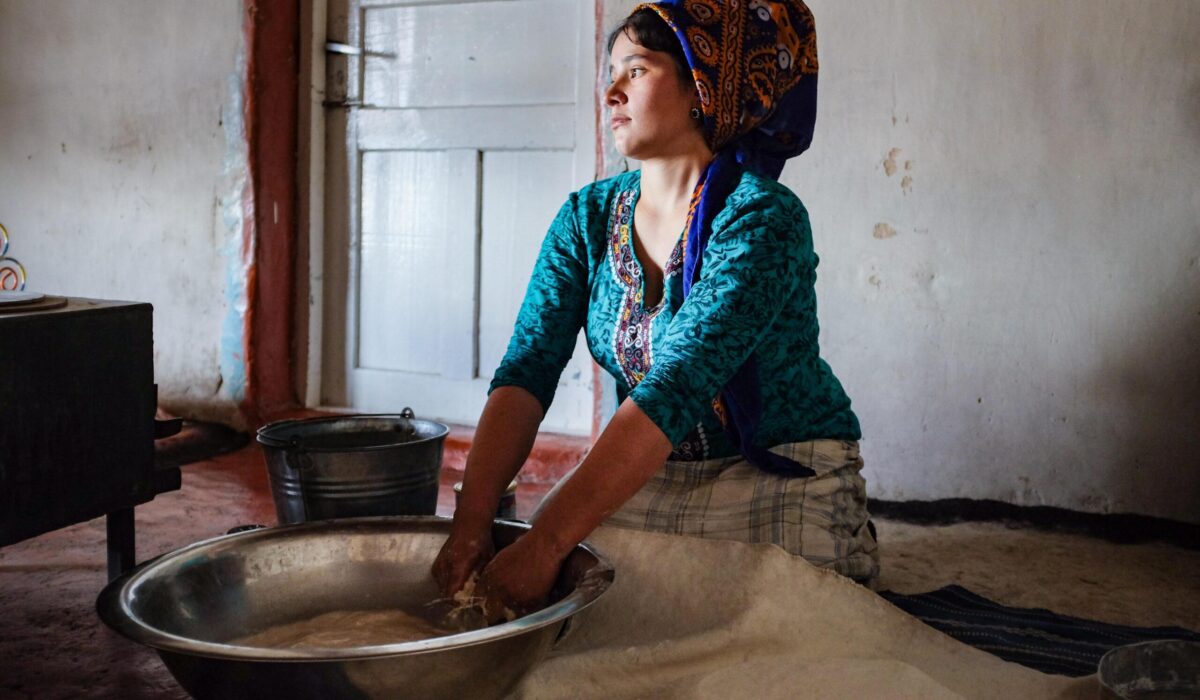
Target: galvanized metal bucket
353, 466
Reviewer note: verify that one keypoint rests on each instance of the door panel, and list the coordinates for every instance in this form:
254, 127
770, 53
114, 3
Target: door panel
418, 231
470, 55
441, 183
518, 201
546, 126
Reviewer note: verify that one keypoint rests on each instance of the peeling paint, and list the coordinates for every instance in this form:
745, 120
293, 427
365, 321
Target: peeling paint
906, 184
237, 246
889, 163
883, 230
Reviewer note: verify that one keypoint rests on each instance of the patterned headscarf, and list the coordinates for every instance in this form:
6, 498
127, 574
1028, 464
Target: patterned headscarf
755, 67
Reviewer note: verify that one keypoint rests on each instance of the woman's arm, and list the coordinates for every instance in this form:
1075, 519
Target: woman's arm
522, 389
503, 440
629, 451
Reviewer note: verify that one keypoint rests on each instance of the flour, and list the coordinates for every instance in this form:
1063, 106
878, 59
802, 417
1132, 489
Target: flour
696, 618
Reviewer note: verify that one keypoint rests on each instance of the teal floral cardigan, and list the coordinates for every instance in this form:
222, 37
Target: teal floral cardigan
755, 295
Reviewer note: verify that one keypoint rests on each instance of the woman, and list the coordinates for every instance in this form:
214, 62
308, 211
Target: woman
693, 279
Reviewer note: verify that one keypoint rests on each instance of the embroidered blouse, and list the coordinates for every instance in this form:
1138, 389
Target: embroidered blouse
755, 295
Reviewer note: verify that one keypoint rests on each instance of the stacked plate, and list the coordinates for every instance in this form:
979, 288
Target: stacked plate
18, 301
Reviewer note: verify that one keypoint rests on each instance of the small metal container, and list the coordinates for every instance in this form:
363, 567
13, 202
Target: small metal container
1158, 669
507, 508
353, 466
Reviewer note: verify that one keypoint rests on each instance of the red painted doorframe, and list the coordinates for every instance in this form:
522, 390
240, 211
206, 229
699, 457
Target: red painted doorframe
272, 34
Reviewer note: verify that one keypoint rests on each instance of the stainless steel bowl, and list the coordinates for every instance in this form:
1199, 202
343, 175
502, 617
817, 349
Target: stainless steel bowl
191, 603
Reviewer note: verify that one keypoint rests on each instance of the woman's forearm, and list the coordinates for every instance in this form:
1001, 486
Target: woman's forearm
630, 450
503, 440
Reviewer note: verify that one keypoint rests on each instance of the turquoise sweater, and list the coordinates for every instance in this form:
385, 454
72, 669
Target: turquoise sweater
755, 295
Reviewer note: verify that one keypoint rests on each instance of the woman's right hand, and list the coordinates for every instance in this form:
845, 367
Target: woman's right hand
501, 444
463, 555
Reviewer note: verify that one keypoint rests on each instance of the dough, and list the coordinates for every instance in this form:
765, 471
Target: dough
467, 611
344, 629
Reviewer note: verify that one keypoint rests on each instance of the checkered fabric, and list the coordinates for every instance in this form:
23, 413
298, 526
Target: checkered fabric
822, 518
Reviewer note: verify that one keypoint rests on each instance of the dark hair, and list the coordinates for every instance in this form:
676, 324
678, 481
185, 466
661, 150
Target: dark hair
649, 30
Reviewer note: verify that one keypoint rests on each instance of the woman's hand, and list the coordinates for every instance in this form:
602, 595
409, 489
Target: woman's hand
462, 555
519, 578
502, 441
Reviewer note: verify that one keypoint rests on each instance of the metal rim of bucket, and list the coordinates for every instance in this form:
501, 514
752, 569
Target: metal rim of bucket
265, 437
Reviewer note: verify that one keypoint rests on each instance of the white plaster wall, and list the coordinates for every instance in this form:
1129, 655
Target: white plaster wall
121, 167
1020, 319
1031, 331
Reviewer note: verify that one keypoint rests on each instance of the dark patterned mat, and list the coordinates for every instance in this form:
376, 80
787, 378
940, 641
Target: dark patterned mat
1039, 639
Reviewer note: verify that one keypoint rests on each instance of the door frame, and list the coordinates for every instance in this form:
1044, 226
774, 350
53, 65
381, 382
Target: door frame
310, 288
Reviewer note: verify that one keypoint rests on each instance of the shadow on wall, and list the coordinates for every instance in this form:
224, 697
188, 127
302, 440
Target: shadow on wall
1152, 385
1191, 109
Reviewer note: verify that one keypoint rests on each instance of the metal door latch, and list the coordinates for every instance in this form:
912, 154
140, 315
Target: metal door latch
343, 49
339, 71
337, 74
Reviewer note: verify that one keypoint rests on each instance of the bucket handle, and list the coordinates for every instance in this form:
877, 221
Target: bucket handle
408, 413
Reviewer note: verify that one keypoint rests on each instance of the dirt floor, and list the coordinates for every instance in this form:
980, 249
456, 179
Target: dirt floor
53, 645
1146, 585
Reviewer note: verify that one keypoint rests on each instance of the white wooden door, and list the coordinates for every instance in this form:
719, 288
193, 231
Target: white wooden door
466, 125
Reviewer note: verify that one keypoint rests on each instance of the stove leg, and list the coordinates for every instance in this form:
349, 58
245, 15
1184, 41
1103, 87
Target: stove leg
120, 542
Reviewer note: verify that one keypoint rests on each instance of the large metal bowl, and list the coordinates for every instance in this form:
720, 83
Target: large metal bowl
189, 605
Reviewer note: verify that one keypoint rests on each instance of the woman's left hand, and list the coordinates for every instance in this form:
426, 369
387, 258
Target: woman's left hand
519, 578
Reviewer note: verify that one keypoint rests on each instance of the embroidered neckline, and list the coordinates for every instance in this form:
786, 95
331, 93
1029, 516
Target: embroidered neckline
632, 340
632, 336
623, 254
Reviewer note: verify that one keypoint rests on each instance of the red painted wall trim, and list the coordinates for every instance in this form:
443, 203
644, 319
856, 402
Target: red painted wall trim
597, 115
272, 34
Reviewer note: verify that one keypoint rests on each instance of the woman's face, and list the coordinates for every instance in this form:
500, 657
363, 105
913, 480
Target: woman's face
649, 106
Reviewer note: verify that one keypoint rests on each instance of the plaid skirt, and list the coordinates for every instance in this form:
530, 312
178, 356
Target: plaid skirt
822, 518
